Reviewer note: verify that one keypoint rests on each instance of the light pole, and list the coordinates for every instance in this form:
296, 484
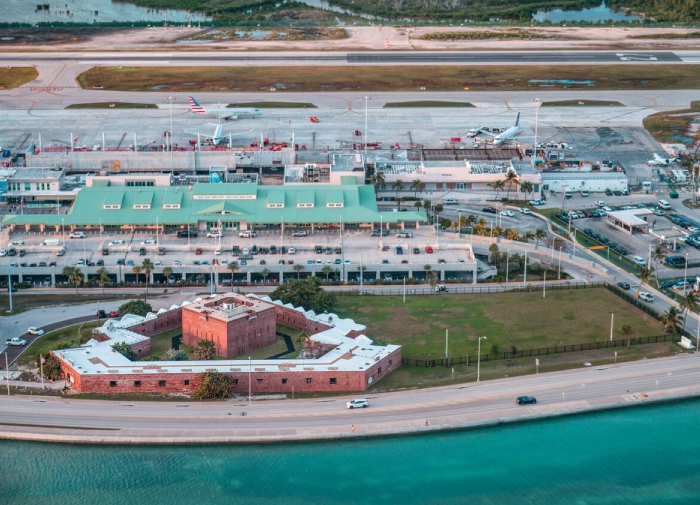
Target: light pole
544, 285
478, 360
447, 340
612, 322
685, 275
63, 233
459, 224
366, 99
101, 244
250, 379
559, 272
172, 166
507, 258
538, 102
525, 270
361, 273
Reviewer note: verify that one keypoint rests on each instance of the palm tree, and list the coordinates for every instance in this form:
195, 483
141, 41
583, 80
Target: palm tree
527, 187
658, 255
233, 267
471, 220
427, 205
74, 275
265, 272
512, 234
428, 269
398, 186
432, 277
527, 236
690, 304
298, 268
416, 186
147, 266
540, 234
302, 338
102, 278
498, 186
510, 181
418, 204
645, 275
670, 319
327, 269
377, 180
167, 272
136, 269
497, 231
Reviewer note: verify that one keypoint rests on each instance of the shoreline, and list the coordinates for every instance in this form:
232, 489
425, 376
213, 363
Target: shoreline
373, 430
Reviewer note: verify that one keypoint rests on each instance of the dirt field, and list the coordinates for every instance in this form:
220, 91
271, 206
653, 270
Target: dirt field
671, 126
359, 38
388, 78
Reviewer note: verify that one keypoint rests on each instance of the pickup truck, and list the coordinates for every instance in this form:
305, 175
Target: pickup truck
15, 341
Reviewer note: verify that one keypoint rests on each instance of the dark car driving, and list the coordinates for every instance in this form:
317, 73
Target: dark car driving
524, 400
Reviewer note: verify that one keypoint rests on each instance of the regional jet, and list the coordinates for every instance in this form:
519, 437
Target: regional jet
219, 136
662, 162
505, 136
223, 112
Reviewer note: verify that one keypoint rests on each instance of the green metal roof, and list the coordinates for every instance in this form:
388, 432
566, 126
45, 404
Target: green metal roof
143, 198
359, 206
172, 198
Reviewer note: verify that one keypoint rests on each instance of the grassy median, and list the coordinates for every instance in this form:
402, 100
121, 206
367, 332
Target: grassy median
392, 78
673, 126
524, 320
14, 77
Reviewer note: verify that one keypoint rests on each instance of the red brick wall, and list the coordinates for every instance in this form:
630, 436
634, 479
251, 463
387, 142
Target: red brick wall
141, 348
263, 382
387, 365
165, 322
298, 321
234, 338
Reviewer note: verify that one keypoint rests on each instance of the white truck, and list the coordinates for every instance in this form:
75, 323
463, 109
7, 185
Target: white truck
51, 241
16, 341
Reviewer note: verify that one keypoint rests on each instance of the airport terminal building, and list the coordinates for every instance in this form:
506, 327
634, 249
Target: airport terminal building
229, 206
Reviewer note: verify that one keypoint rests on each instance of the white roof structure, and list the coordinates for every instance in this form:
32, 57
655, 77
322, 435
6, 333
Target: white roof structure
631, 217
348, 354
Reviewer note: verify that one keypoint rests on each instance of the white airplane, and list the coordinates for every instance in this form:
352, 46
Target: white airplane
662, 162
223, 112
505, 136
219, 136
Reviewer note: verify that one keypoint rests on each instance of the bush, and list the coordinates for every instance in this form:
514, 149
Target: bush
213, 385
174, 355
51, 367
306, 293
137, 307
124, 349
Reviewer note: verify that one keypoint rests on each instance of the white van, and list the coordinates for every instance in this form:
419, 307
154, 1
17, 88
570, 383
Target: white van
639, 261
451, 201
663, 204
51, 241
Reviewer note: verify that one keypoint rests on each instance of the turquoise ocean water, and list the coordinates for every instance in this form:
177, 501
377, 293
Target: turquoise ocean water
641, 456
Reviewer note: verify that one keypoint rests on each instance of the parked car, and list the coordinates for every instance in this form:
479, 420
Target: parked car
379, 233
177, 263
647, 297
16, 341
441, 288
35, 330
215, 234
116, 242
149, 241
525, 400
359, 403
416, 250
429, 250
600, 203
187, 233
451, 201
535, 203
404, 234
77, 234
524, 210
198, 251
639, 261
300, 233
113, 313
247, 234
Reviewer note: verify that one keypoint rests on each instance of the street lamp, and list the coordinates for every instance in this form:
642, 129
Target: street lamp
172, 165
612, 322
559, 270
366, 99
685, 275
250, 379
538, 102
63, 233
478, 360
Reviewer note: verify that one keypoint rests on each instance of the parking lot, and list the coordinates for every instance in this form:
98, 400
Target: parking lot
263, 255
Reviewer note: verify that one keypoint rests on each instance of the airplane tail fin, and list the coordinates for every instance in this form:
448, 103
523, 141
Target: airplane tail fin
517, 120
194, 105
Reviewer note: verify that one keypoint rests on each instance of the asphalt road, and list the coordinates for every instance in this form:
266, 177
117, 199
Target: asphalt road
446, 407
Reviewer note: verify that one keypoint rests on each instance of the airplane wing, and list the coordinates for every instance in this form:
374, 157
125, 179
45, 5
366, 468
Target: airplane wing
489, 133
239, 133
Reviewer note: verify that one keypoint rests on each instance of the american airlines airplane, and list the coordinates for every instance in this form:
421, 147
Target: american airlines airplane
505, 136
662, 162
223, 112
219, 137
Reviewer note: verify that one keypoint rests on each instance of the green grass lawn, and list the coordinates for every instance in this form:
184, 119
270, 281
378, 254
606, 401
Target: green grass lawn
581, 103
427, 103
274, 105
112, 105
14, 77
390, 78
50, 341
163, 342
268, 351
525, 320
